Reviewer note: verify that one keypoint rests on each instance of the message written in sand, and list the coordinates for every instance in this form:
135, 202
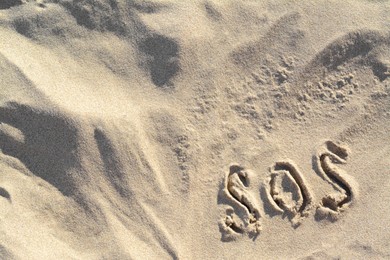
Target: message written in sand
288, 193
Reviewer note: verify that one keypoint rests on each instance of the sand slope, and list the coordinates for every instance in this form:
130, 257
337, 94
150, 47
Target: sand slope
194, 129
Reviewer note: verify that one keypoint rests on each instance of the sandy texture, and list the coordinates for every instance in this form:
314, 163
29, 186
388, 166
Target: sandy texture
194, 129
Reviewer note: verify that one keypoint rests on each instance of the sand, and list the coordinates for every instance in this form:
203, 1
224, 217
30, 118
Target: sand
194, 129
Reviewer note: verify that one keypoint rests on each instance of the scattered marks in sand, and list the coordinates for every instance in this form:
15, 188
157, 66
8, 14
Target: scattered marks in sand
328, 156
289, 191
236, 187
183, 157
334, 89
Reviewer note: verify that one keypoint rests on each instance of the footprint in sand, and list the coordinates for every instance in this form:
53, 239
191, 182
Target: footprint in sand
327, 158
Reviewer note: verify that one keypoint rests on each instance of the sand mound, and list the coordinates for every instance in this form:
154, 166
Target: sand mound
194, 129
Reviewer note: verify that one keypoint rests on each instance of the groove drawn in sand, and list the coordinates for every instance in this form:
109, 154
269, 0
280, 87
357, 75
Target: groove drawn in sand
289, 191
329, 155
236, 189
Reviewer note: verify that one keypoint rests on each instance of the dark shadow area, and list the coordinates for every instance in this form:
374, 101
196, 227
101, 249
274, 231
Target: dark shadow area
221, 197
98, 15
148, 7
50, 147
24, 26
337, 150
354, 44
212, 12
236, 169
164, 58
253, 235
5, 253
4, 193
315, 167
112, 167
5, 4
380, 70
339, 54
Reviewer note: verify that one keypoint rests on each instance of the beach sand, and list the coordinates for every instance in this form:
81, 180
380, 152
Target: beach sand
194, 129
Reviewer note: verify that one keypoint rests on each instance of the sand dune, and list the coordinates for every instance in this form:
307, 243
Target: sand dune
194, 129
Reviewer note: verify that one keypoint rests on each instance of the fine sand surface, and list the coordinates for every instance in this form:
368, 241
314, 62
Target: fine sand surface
194, 129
